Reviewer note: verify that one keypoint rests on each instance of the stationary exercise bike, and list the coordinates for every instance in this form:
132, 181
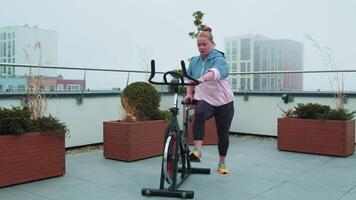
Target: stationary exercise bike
176, 166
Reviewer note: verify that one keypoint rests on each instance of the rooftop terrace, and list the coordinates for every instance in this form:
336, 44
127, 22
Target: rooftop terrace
258, 172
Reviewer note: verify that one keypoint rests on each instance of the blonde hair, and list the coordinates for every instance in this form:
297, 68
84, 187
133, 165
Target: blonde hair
206, 33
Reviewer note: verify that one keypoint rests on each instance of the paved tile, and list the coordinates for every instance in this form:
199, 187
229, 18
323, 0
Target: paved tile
60, 188
349, 196
258, 172
292, 191
11, 193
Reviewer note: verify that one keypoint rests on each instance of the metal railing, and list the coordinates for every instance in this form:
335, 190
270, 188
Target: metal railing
107, 69
141, 71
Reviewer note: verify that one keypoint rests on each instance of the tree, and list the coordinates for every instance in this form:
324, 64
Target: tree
198, 23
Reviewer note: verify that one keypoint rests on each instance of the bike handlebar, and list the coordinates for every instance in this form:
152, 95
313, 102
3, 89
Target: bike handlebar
172, 73
189, 102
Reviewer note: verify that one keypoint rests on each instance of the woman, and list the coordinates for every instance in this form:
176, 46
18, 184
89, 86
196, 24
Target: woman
214, 96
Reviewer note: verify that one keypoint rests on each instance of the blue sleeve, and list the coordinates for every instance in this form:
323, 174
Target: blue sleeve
221, 65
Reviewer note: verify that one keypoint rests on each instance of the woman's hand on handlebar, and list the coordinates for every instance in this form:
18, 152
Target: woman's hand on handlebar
188, 96
188, 100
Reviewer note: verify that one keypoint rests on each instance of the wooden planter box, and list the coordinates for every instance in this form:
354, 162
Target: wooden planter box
327, 137
129, 141
31, 156
210, 137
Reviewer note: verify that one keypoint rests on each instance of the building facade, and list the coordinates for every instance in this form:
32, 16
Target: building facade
27, 45
40, 83
67, 85
13, 83
252, 53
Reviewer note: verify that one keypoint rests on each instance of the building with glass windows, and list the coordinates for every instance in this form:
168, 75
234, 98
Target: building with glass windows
253, 53
13, 83
31, 45
27, 45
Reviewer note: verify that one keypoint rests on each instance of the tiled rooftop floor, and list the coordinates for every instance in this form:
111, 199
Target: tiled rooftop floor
259, 172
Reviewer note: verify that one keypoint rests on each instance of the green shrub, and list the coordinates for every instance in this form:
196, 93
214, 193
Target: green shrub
140, 101
318, 111
311, 111
50, 124
340, 114
164, 115
15, 120
18, 120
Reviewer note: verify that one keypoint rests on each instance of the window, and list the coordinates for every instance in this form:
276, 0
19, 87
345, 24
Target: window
73, 87
234, 54
248, 84
234, 83
243, 67
1, 87
264, 64
13, 47
264, 84
234, 67
60, 87
234, 51
11, 88
280, 86
272, 84
8, 49
4, 49
20, 87
245, 49
243, 84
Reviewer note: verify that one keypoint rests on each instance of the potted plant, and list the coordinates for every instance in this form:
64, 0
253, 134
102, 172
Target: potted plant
318, 129
140, 133
30, 148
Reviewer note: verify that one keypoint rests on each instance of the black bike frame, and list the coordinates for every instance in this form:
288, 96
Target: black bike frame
182, 143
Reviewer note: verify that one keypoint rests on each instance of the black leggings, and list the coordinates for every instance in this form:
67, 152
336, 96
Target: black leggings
223, 118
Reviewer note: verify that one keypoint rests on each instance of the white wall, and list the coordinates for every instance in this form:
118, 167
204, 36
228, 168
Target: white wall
85, 121
258, 115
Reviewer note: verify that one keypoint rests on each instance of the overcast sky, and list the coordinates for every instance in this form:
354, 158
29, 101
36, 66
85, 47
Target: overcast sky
126, 34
